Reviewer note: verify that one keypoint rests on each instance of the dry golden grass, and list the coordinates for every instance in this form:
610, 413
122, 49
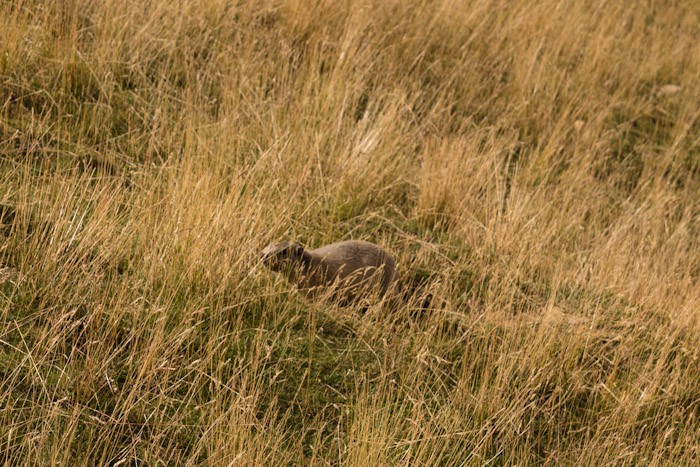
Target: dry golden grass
535, 164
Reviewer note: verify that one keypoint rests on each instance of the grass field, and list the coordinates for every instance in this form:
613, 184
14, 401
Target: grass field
535, 166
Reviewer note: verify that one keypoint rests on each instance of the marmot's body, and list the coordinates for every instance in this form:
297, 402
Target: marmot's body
345, 270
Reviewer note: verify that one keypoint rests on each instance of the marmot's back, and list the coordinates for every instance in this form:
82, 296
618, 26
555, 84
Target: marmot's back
355, 262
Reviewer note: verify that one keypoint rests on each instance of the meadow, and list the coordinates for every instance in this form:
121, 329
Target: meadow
535, 166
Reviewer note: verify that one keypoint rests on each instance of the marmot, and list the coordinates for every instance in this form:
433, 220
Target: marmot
345, 271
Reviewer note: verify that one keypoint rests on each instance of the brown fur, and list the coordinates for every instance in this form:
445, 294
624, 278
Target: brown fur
346, 271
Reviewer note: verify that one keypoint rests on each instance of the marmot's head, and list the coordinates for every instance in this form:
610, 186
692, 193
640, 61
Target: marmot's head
282, 256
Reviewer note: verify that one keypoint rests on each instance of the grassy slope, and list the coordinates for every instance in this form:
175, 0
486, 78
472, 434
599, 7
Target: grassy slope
526, 160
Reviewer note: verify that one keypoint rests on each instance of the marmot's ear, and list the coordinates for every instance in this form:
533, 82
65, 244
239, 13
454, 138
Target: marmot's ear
296, 249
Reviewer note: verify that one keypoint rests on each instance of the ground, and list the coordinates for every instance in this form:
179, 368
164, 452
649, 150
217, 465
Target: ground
535, 166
